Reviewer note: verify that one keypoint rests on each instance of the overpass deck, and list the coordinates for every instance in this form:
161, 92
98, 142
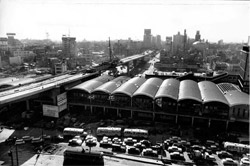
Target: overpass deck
131, 58
32, 89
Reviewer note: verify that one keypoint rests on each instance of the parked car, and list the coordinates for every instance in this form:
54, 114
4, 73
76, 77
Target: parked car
129, 141
245, 161
75, 142
149, 152
174, 149
27, 138
91, 141
229, 162
11, 140
57, 138
37, 140
133, 150
209, 157
177, 156
106, 143
224, 154
147, 143
19, 142
118, 148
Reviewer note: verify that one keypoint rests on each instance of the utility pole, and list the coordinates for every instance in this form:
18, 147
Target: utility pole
17, 157
11, 157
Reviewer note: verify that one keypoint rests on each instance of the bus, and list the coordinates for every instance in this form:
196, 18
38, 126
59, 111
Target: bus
140, 133
109, 131
236, 147
71, 132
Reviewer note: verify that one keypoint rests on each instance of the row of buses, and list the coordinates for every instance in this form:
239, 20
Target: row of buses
108, 131
117, 131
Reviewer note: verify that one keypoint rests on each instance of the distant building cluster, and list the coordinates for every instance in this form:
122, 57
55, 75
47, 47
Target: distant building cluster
150, 41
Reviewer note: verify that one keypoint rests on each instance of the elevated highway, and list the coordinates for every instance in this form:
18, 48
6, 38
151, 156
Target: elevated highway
23, 92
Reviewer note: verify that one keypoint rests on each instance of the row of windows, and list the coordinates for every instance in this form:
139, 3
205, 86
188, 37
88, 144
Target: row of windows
245, 113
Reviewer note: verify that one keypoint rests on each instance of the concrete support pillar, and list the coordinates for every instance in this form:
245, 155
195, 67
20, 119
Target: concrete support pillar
192, 121
153, 116
91, 109
227, 125
209, 123
176, 119
128, 72
131, 113
117, 113
27, 104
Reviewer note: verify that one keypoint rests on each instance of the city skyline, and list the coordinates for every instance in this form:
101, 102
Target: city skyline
95, 20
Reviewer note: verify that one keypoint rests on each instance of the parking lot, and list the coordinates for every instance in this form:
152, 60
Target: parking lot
158, 134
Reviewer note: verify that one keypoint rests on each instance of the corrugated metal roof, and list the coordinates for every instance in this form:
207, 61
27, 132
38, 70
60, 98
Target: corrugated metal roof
225, 87
112, 85
237, 98
211, 93
149, 88
129, 87
189, 90
90, 85
169, 88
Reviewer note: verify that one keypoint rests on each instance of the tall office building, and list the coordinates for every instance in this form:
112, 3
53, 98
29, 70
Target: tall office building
11, 39
197, 36
178, 43
185, 40
69, 46
169, 42
158, 41
147, 39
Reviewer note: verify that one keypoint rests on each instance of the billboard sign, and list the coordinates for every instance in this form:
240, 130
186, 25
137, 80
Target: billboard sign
50, 110
61, 97
62, 107
62, 102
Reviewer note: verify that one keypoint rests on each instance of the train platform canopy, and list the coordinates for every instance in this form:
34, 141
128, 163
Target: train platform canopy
129, 87
169, 88
149, 88
211, 93
237, 98
112, 85
91, 85
189, 90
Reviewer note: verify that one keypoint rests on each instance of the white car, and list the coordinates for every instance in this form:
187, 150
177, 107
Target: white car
75, 142
229, 161
174, 149
245, 161
209, 157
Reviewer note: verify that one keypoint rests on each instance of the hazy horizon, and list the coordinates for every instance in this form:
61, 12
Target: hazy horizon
95, 20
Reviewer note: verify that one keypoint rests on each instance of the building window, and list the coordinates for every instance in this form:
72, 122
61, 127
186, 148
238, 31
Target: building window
238, 112
233, 111
243, 112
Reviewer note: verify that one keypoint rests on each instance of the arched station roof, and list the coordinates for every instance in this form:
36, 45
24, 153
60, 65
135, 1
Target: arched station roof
90, 85
237, 98
149, 88
112, 85
129, 87
211, 93
169, 88
189, 90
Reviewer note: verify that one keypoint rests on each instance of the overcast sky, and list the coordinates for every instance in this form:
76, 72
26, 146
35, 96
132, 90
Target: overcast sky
121, 19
